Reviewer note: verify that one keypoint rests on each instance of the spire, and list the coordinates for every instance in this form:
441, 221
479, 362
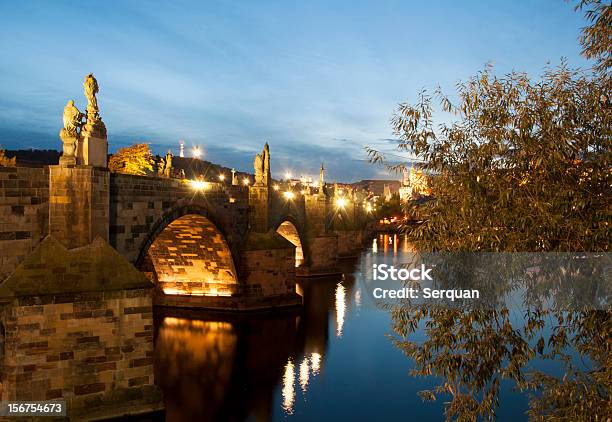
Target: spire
321, 180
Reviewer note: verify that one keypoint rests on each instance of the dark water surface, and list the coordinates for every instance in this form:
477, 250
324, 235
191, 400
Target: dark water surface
333, 360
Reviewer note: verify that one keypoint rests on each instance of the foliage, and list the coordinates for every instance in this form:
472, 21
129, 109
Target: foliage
474, 351
596, 39
5, 161
135, 159
525, 166
390, 208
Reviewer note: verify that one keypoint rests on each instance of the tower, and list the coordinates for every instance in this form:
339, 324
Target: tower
182, 149
321, 180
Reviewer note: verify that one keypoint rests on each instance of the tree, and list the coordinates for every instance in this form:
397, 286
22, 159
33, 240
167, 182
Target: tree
5, 161
596, 39
390, 208
524, 165
135, 159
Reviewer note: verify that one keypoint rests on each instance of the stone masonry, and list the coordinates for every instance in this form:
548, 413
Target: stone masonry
24, 214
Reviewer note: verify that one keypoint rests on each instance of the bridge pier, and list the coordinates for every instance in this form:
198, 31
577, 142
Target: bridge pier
78, 204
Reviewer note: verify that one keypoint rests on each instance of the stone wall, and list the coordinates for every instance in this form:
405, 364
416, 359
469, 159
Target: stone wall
323, 255
259, 199
24, 214
78, 204
94, 350
78, 325
268, 265
141, 206
190, 256
349, 243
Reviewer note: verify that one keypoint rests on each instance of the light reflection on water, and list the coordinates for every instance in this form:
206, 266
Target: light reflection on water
288, 387
340, 308
231, 367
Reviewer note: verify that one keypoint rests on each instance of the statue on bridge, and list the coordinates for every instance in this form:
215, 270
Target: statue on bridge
73, 120
262, 167
168, 165
84, 136
91, 89
164, 166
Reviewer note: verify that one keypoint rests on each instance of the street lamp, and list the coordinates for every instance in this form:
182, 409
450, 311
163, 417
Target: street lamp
196, 152
246, 181
276, 187
289, 195
287, 175
222, 177
199, 184
341, 202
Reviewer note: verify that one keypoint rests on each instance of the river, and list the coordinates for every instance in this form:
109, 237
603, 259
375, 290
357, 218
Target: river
332, 360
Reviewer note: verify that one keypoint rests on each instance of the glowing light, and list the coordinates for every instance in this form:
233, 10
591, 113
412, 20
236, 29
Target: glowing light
246, 181
303, 192
211, 292
276, 187
287, 175
315, 363
288, 391
289, 195
340, 308
199, 184
341, 202
222, 177
196, 152
358, 298
304, 374
368, 207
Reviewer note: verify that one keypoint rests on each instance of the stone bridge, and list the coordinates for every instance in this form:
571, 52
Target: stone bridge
203, 244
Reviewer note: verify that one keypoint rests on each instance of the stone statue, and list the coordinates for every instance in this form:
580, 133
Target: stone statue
91, 89
73, 118
259, 169
168, 165
161, 165
261, 166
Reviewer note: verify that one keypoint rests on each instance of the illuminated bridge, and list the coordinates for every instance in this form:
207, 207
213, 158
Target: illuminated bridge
205, 244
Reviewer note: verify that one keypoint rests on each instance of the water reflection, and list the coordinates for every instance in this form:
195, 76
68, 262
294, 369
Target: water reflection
288, 388
340, 308
292, 365
230, 367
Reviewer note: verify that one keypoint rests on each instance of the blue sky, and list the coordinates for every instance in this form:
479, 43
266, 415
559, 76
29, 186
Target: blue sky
318, 80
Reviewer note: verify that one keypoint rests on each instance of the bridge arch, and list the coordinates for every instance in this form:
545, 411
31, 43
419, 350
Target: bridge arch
289, 229
187, 253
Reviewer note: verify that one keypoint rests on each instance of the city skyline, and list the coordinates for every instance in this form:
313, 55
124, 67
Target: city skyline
316, 82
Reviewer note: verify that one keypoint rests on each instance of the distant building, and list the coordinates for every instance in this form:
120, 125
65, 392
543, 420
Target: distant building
414, 185
377, 187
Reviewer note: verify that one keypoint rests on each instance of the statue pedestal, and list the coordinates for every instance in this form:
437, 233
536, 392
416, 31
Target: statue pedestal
93, 145
70, 141
67, 161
